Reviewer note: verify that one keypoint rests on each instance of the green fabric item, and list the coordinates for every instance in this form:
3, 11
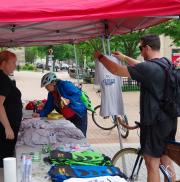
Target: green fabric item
87, 157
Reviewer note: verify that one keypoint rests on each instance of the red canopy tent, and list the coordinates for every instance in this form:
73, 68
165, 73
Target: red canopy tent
44, 22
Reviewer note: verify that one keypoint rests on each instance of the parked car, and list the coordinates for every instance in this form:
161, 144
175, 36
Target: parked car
73, 73
64, 66
88, 76
39, 65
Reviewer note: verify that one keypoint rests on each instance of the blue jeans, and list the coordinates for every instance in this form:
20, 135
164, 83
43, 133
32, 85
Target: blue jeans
80, 123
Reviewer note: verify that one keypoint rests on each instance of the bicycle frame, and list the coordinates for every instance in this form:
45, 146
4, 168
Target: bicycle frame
165, 172
137, 162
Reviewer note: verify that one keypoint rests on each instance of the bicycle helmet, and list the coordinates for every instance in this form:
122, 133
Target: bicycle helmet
48, 78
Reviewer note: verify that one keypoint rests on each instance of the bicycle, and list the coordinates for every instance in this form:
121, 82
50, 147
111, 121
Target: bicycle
108, 123
131, 162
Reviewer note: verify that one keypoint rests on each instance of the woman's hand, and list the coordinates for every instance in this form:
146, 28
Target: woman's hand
9, 133
35, 115
65, 101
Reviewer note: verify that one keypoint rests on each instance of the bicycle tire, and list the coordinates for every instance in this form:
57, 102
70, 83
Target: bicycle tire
108, 124
124, 131
130, 155
103, 123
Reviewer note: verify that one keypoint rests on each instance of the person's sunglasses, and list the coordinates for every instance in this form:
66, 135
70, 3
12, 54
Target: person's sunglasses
141, 47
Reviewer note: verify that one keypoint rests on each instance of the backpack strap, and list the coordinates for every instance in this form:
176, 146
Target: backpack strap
166, 67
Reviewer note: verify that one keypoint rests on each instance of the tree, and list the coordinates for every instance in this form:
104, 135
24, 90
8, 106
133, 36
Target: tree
169, 28
86, 49
60, 52
127, 43
30, 54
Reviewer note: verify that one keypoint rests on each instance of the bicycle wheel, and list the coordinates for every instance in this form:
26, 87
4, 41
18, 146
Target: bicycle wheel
105, 123
125, 159
124, 131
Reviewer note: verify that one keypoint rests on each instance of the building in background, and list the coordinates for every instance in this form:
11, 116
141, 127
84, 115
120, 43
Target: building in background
20, 53
168, 49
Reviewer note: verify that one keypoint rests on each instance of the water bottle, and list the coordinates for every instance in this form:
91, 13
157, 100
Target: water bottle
52, 138
26, 169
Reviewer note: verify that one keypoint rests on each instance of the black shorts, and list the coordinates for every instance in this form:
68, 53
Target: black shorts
153, 137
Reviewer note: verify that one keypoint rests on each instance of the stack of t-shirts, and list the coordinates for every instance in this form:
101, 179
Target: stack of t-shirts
88, 158
61, 173
72, 147
40, 132
85, 164
97, 179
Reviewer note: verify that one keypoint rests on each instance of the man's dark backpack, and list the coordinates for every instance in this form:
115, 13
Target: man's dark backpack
170, 103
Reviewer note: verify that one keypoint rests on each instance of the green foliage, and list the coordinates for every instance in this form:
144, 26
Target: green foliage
41, 51
61, 52
28, 67
169, 28
127, 88
30, 54
127, 43
87, 49
91, 65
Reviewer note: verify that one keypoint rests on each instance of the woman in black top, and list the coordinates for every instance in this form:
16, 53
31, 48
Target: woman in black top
10, 106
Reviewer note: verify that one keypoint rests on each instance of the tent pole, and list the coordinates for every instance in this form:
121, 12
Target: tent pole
106, 37
108, 45
77, 66
103, 44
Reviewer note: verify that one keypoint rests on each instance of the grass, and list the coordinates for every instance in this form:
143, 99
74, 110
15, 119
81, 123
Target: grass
127, 88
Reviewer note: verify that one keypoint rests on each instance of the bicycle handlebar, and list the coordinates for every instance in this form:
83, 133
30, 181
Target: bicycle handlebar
120, 121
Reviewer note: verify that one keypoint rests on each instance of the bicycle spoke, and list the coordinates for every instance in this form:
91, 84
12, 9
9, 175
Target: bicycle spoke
134, 172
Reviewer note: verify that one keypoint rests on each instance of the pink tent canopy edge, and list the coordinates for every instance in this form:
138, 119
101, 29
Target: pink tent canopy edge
56, 10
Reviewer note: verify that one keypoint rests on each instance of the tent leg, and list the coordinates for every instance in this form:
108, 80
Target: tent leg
108, 46
77, 66
103, 44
